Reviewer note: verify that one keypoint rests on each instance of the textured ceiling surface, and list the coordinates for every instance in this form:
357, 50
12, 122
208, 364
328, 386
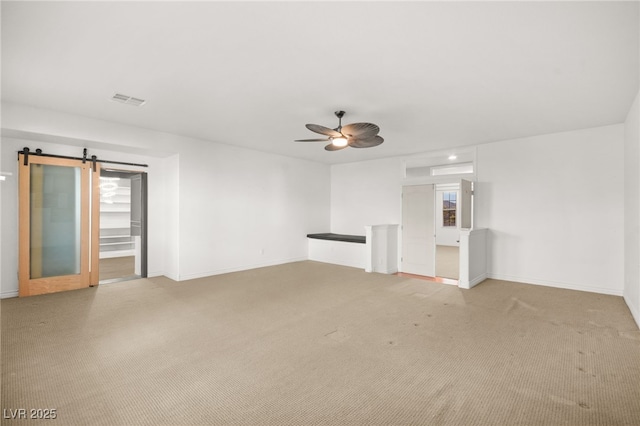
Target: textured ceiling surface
433, 75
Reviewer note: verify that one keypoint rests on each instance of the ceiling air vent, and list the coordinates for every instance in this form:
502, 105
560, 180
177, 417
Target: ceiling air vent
129, 100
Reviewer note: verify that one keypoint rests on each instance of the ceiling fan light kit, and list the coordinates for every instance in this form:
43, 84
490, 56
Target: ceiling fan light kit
339, 141
355, 135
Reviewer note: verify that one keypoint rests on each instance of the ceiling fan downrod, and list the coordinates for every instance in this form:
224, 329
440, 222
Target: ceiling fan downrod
339, 114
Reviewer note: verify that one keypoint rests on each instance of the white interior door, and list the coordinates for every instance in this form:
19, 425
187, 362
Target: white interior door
418, 230
465, 204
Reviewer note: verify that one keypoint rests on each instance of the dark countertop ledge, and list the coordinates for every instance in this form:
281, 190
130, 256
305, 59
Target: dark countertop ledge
361, 239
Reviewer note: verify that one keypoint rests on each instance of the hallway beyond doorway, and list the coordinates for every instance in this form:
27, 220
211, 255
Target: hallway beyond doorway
448, 262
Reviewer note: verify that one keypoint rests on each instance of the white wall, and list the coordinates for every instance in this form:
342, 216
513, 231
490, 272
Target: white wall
552, 204
241, 209
223, 208
172, 217
365, 193
632, 210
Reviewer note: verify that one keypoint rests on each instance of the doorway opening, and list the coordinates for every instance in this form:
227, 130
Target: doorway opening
447, 231
432, 217
123, 225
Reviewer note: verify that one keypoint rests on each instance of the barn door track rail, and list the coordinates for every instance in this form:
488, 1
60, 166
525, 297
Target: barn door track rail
94, 159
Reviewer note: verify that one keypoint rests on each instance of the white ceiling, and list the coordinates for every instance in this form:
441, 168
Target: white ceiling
432, 75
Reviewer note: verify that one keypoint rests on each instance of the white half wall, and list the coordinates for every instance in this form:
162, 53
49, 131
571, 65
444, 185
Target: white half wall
338, 252
632, 210
551, 203
473, 257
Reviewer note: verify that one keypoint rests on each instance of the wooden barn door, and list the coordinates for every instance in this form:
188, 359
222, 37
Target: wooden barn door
54, 224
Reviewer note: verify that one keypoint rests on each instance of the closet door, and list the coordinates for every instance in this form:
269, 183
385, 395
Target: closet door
54, 238
418, 230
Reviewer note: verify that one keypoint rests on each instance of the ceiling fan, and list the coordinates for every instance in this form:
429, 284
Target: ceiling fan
355, 135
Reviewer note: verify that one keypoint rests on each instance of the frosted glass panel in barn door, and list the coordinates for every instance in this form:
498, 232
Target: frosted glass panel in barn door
418, 232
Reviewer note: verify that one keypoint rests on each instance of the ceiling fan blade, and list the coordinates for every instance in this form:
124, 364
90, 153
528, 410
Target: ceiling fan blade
360, 130
323, 130
312, 140
365, 143
332, 147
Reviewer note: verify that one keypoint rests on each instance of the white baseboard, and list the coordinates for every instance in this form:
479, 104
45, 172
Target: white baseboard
238, 268
474, 282
556, 284
385, 271
8, 294
635, 311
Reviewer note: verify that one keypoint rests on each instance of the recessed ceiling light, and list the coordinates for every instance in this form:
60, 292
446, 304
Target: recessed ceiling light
129, 100
453, 157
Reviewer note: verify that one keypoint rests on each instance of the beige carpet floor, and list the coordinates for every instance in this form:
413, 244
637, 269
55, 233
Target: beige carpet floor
316, 344
448, 262
117, 267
